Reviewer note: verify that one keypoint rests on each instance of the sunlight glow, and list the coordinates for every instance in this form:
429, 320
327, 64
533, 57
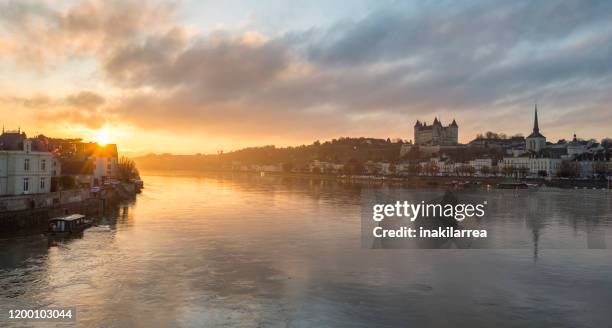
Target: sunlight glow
102, 136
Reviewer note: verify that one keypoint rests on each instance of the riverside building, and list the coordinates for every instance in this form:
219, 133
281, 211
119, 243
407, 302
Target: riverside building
26, 166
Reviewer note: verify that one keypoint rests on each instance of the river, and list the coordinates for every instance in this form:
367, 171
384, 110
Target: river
198, 250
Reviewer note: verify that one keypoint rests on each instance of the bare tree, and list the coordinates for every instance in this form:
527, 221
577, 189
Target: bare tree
485, 169
568, 169
414, 168
508, 170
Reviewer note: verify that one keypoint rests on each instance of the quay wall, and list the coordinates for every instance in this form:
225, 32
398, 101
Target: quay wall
440, 181
30, 213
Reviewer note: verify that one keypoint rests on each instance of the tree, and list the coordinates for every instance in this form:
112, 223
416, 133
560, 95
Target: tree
522, 171
485, 169
67, 182
371, 168
568, 169
126, 169
392, 169
431, 168
600, 168
468, 169
354, 166
435, 169
56, 184
287, 167
414, 168
495, 170
508, 170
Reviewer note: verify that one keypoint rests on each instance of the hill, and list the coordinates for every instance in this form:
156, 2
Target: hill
340, 150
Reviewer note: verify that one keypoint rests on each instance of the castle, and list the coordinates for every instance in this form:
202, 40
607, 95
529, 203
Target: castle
436, 134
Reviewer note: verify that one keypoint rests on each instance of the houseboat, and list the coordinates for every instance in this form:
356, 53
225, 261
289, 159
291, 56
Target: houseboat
66, 225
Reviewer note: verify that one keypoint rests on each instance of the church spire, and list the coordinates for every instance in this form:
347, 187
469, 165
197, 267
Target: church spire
536, 128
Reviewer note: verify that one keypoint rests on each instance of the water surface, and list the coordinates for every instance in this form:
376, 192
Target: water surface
248, 251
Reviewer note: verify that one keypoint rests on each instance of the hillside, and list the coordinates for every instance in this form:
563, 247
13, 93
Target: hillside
337, 150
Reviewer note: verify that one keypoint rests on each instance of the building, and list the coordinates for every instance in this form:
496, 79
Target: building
535, 142
479, 163
436, 134
535, 166
105, 159
26, 166
406, 148
575, 148
325, 167
87, 162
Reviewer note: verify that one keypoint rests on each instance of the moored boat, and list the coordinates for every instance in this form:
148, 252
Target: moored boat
67, 225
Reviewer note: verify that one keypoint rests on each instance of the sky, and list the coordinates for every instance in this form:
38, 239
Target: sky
202, 76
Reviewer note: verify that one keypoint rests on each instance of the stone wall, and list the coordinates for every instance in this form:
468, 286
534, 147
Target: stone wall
27, 202
30, 213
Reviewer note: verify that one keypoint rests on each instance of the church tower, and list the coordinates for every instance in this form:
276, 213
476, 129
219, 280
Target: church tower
535, 141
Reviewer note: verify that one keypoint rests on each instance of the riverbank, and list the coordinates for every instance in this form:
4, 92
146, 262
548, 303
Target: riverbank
25, 214
421, 181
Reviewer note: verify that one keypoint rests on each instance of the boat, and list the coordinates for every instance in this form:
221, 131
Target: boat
67, 225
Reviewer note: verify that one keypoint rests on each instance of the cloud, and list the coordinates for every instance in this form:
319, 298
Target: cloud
84, 108
219, 66
482, 61
38, 33
85, 100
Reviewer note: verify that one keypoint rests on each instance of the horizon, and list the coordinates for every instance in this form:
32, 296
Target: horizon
192, 77
338, 138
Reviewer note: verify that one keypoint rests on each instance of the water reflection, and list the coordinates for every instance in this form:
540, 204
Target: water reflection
249, 251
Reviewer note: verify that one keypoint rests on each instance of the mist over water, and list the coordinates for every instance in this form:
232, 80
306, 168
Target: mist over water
245, 251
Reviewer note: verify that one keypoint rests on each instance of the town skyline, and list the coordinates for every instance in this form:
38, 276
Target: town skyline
155, 76
103, 138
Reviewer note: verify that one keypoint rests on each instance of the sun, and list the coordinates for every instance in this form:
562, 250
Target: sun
102, 137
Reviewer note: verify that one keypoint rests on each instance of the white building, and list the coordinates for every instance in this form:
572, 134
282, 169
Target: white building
585, 169
325, 167
26, 170
105, 160
575, 148
534, 165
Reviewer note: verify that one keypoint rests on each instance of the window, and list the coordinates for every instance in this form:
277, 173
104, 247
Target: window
26, 164
43, 164
42, 183
26, 184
